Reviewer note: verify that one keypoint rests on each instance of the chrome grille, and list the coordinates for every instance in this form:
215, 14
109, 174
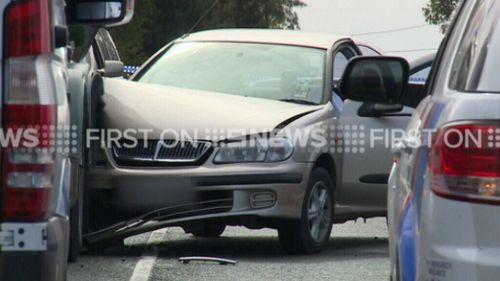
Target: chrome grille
141, 152
155, 152
180, 151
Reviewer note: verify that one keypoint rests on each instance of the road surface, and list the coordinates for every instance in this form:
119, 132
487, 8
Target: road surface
356, 251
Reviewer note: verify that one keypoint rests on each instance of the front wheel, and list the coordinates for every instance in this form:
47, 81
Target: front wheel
310, 234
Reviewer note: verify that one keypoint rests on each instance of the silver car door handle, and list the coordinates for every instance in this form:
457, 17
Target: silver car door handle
406, 145
409, 144
397, 149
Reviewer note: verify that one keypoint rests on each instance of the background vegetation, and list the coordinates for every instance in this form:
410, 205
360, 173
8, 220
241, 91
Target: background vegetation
439, 12
157, 22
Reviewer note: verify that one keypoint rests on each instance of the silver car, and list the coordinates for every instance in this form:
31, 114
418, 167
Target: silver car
239, 127
444, 190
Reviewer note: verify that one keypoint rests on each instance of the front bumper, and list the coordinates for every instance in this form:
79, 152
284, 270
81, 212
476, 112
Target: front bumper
141, 190
34, 251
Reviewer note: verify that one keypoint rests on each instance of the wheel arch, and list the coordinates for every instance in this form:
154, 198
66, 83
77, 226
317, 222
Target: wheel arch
327, 162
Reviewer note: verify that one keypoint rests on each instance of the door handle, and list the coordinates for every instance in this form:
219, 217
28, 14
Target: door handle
397, 149
405, 145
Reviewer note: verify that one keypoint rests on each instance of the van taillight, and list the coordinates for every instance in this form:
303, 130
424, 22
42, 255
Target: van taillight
28, 28
28, 113
464, 163
27, 164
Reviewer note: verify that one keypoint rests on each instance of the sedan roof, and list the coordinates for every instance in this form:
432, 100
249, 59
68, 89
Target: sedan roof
269, 36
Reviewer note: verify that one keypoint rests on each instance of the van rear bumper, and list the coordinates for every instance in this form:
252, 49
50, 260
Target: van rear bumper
45, 261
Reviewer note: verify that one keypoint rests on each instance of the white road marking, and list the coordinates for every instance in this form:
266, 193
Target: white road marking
142, 270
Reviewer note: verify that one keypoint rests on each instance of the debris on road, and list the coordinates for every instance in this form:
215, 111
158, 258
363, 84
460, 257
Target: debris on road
186, 260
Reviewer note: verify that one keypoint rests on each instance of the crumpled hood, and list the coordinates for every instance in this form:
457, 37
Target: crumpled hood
135, 105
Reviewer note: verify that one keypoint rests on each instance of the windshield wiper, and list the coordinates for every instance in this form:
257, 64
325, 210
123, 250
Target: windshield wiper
299, 101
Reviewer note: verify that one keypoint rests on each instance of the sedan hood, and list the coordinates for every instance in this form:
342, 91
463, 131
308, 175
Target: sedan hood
168, 110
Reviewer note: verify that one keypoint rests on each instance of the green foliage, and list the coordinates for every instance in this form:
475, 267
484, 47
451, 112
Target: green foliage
157, 22
439, 12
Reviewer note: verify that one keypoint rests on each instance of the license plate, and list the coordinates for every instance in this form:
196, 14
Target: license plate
23, 237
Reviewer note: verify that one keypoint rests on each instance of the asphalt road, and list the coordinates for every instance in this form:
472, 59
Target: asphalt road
356, 251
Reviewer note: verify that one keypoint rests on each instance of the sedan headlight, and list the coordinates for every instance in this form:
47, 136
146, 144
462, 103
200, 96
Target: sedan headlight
254, 150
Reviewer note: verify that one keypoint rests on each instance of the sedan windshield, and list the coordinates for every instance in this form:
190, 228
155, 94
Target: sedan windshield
279, 72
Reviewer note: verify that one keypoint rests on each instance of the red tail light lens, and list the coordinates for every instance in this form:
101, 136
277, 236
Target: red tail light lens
29, 111
465, 163
27, 160
28, 28
25, 203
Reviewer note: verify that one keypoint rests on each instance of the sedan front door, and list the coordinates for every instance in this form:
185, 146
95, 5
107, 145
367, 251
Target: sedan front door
368, 132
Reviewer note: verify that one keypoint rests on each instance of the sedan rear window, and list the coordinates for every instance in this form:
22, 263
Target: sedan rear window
268, 71
475, 68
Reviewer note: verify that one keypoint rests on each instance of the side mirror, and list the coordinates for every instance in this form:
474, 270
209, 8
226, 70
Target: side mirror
100, 12
112, 68
375, 79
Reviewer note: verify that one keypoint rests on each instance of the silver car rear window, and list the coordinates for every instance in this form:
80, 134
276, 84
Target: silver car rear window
476, 65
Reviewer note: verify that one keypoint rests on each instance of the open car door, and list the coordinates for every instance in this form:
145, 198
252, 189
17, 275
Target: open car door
369, 132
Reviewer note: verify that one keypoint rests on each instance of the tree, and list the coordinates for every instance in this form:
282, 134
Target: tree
439, 12
131, 38
157, 22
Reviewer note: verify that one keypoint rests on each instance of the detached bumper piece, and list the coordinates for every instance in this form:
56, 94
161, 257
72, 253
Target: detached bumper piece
221, 261
158, 219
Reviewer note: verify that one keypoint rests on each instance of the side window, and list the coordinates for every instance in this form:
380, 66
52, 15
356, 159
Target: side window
109, 46
104, 47
339, 64
367, 51
420, 77
99, 59
93, 60
340, 61
415, 91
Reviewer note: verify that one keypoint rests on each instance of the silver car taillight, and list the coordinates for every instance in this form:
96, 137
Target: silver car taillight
464, 163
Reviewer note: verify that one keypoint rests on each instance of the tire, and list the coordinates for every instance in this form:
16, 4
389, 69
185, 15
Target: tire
209, 231
107, 247
310, 234
76, 219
